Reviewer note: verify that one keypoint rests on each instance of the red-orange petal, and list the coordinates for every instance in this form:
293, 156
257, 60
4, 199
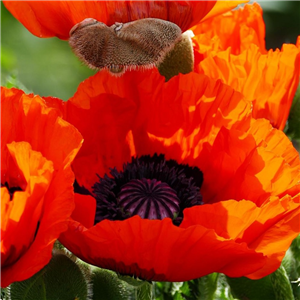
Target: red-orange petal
275, 141
141, 102
158, 250
274, 237
132, 246
268, 80
56, 18
85, 209
237, 30
26, 207
37, 148
269, 229
193, 120
28, 118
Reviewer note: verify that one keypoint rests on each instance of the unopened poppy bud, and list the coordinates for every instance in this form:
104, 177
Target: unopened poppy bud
142, 43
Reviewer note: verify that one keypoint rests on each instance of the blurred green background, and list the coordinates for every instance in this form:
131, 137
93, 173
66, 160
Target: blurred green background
49, 68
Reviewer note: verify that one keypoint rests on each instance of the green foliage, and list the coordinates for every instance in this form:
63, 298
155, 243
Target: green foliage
223, 289
172, 290
61, 279
4, 294
32, 289
12, 81
144, 291
291, 264
8, 59
107, 285
213, 287
246, 289
293, 124
46, 66
281, 284
295, 248
205, 287
131, 280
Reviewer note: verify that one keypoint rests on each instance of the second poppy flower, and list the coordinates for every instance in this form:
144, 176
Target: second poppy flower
37, 199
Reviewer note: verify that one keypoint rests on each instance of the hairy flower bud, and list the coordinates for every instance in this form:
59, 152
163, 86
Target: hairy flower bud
142, 43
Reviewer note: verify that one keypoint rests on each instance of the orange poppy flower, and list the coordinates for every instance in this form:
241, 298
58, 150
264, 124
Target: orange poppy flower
149, 148
37, 148
231, 47
237, 30
56, 18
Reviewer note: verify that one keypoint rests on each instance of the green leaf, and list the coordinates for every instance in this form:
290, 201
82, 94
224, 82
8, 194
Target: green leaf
223, 289
144, 292
281, 285
291, 266
204, 288
61, 279
163, 290
31, 289
3, 292
293, 124
135, 282
178, 296
107, 285
244, 288
294, 275
12, 81
295, 248
176, 287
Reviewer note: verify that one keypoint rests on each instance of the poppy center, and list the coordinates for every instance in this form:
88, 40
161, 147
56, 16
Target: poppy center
149, 186
11, 189
149, 198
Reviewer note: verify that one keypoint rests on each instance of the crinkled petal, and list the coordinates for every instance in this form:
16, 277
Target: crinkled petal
25, 209
223, 6
244, 169
56, 18
139, 103
269, 229
28, 118
275, 141
201, 122
236, 30
268, 80
37, 148
158, 250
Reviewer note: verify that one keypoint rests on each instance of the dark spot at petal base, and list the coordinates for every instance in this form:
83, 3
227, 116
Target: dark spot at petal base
11, 190
149, 186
